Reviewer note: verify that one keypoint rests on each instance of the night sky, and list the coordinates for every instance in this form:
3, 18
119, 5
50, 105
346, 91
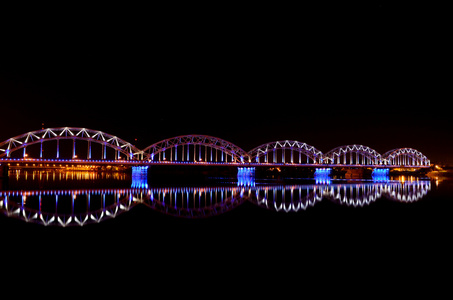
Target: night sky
328, 76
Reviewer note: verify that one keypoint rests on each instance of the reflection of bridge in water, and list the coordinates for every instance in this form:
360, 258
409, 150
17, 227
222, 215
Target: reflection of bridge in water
299, 197
54, 147
81, 207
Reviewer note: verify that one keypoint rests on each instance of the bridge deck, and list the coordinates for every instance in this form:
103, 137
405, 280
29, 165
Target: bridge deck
34, 161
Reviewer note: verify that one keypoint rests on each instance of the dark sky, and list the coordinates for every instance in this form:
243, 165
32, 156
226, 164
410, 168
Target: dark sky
375, 75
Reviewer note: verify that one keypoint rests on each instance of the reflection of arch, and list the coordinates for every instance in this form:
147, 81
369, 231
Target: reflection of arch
71, 133
195, 148
287, 198
364, 155
81, 207
194, 202
287, 150
63, 207
405, 157
409, 191
354, 194
299, 197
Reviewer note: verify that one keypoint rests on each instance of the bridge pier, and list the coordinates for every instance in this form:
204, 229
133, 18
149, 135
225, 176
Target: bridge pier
323, 175
380, 174
246, 176
139, 177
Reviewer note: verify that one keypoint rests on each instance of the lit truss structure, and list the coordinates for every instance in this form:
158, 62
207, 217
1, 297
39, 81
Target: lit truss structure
195, 148
353, 155
405, 157
129, 151
285, 152
209, 149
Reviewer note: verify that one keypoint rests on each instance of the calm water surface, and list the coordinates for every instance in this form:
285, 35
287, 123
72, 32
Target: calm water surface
80, 198
336, 217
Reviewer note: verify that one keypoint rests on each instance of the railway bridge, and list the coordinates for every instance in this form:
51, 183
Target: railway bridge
82, 146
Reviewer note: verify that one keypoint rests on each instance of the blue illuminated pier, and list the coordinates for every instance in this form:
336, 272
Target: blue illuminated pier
322, 175
140, 177
381, 175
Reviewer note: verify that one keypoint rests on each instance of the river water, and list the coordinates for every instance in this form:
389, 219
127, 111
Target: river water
403, 220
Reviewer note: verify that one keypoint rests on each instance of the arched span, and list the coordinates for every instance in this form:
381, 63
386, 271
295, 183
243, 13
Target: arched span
286, 152
405, 157
195, 148
72, 133
353, 155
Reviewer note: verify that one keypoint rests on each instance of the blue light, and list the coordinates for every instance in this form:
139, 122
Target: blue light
140, 177
380, 175
246, 176
322, 175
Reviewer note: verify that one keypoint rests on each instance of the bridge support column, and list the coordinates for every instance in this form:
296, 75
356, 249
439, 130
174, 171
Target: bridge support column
182, 153
188, 152
73, 149
58, 148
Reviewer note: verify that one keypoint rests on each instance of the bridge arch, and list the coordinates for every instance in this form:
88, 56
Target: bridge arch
286, 152
121, 147
405, 157
195, 148
353, 155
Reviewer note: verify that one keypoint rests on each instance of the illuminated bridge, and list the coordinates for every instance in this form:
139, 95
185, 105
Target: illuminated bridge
82, 146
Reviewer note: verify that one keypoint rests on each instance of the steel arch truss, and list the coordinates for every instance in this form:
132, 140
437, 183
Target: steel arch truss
405, 157
72, 133
289, 152
353, 155
195, 148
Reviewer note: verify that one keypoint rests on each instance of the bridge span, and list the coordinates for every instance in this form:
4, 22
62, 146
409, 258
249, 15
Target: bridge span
49, 163
53, 147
